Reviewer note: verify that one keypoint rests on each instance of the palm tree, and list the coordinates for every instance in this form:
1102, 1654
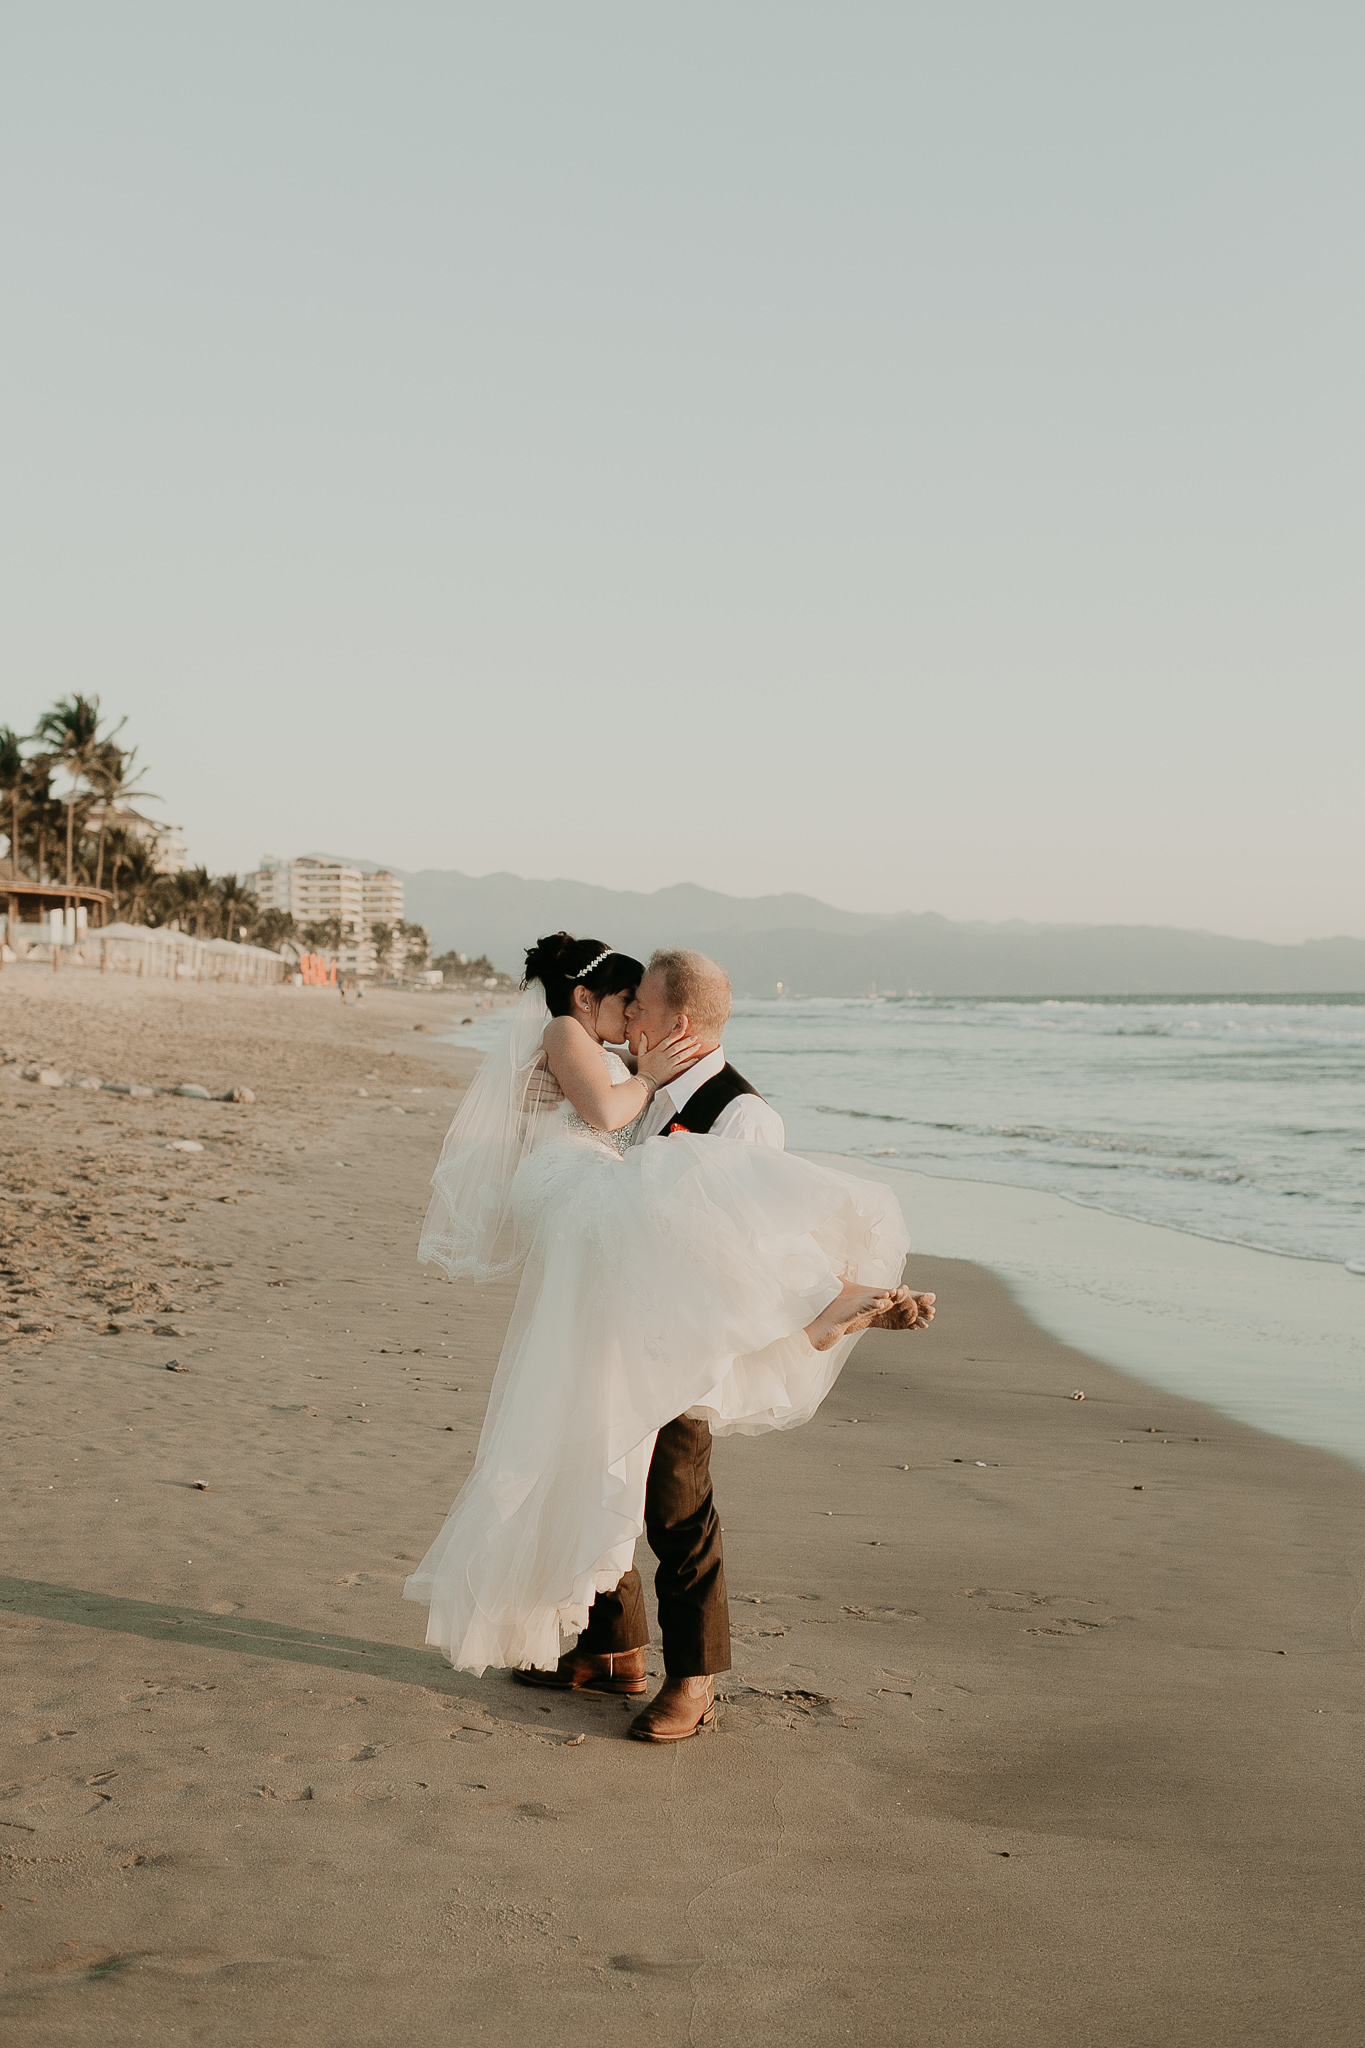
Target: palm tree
118, 844
72, 730
111, 777
193, 896
236, 904
323, 935
138, 862
416, 943
12, 782
44, 812
274, 929
381, 938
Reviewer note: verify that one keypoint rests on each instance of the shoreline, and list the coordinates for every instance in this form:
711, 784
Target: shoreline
1268, 1251
1041, 1727
1188, 1314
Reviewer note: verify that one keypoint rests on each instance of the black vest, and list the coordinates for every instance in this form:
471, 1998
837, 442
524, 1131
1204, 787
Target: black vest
700, 1111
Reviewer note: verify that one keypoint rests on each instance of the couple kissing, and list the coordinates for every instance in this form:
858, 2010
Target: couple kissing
681, 1276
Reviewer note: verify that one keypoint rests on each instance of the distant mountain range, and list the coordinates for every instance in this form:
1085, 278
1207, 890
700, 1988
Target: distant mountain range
814, 949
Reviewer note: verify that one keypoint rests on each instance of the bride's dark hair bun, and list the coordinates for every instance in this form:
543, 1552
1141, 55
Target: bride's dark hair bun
558, 963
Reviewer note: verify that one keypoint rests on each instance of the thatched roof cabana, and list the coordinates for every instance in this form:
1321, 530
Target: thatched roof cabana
30, 899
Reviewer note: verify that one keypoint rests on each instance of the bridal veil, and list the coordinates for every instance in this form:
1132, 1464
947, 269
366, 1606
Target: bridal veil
470, 1227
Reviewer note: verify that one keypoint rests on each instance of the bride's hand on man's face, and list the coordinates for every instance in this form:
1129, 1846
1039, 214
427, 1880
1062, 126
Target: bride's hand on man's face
665, 1061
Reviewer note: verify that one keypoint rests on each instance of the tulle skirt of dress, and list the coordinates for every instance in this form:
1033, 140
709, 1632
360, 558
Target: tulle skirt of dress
678, 1278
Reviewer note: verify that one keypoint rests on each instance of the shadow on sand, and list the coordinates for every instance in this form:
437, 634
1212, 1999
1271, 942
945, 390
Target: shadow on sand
496, 1693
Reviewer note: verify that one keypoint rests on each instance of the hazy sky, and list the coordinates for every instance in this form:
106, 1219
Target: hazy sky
910, 453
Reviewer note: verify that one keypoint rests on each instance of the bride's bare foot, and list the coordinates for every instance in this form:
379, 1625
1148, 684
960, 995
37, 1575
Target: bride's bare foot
916, 1312
853, 1308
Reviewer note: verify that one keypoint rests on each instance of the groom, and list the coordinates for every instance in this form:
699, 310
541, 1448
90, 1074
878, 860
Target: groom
681, 991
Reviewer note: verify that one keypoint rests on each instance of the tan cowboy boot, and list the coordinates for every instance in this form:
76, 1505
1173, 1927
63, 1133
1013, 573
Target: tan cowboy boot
618, 1672
677, 1711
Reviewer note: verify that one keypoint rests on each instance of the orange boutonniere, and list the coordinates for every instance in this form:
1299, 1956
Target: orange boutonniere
676, 1127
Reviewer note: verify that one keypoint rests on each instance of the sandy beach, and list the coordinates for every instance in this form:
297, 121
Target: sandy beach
1044, 1722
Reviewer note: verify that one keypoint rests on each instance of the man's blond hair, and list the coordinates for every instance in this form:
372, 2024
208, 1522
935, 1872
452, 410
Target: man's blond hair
696, 987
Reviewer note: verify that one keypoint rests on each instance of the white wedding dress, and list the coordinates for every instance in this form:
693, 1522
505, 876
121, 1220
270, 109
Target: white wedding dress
669, 1277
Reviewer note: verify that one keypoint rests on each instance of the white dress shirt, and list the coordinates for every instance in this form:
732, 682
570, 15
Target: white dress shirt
747, 1117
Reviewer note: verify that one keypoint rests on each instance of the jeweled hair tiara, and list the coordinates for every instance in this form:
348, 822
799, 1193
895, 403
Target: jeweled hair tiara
594, 963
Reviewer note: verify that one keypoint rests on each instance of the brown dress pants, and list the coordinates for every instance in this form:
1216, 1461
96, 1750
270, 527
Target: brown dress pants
683, 1529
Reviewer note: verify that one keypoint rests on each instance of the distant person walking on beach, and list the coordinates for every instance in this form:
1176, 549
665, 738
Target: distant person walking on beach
668, 1291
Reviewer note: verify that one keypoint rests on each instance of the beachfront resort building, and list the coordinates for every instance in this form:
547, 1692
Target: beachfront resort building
314, 889
167, 842
383, 899
311, 890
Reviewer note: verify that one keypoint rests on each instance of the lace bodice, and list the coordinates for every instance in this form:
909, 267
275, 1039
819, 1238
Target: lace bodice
570, 1122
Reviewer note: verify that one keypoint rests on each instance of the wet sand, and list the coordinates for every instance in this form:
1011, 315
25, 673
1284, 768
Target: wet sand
1044, 1726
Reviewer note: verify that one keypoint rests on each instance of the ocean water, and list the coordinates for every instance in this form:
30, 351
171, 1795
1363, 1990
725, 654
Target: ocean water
1238, 1119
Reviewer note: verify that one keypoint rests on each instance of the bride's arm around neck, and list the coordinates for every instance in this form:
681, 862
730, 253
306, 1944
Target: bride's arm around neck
575, 1059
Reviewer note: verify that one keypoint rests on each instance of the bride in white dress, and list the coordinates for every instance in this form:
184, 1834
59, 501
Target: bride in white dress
686, 1274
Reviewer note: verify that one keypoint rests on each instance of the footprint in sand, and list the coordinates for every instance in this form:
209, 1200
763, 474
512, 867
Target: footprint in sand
152, 1686
881, 1614
41, 1802
1008, 1600
1005, 1600
1070, 1625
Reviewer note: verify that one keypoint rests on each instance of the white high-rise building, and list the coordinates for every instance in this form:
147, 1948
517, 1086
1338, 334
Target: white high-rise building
383, 895
313, 889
